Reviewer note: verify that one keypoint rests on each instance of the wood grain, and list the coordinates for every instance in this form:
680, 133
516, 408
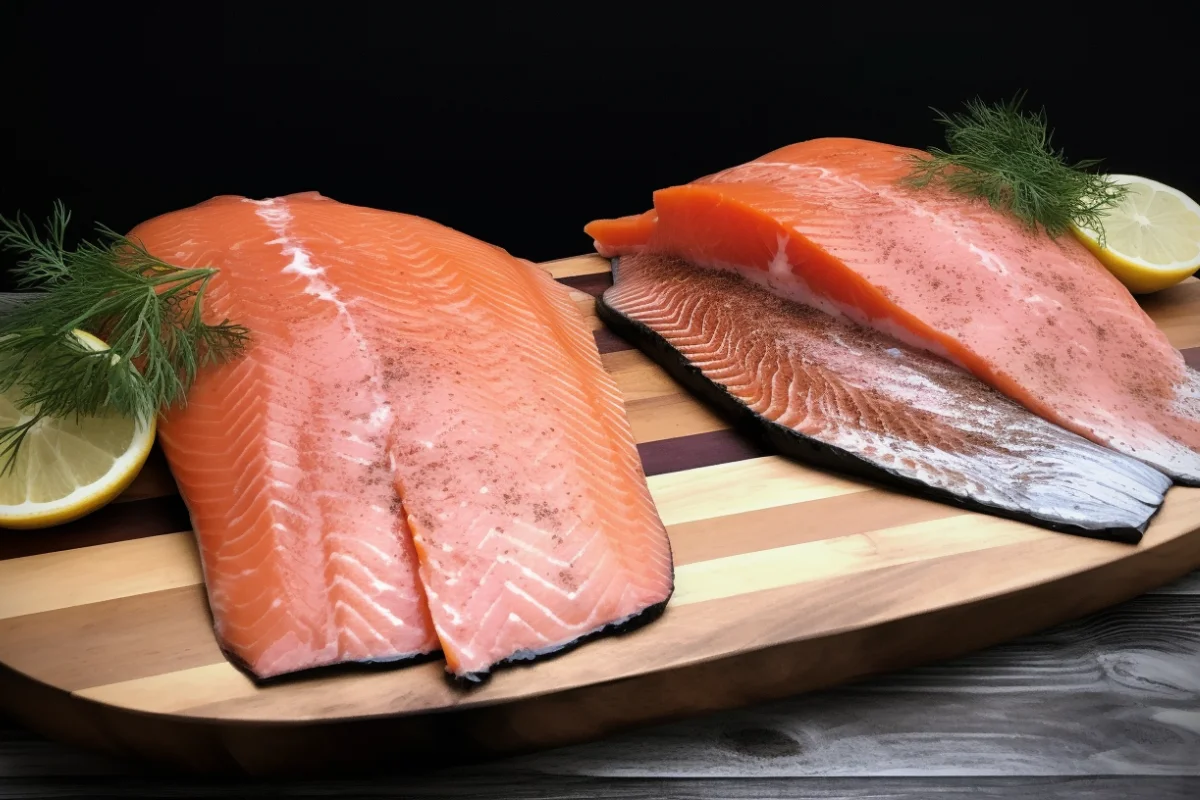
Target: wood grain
789, 579
895, 717
1095, 736
72, 578
1113, 694
535, 787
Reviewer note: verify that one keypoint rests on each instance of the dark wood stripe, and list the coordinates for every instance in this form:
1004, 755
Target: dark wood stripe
589, 284
768, 528
156, 632
697, 450
121, 522
155, 479
609, 342
116, 522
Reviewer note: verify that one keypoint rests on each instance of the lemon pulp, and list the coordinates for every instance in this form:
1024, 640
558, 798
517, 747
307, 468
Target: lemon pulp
68, 467
1152, 237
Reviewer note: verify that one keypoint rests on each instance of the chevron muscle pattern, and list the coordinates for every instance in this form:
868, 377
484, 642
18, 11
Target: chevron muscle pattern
420, 450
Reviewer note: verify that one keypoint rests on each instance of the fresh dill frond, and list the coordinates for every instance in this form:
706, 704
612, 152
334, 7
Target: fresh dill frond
147, 311
1003, 155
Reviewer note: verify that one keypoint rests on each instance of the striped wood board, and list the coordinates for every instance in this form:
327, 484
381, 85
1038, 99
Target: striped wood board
788, 579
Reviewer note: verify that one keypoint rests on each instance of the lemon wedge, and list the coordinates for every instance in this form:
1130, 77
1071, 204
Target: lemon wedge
67, 468
1152, 238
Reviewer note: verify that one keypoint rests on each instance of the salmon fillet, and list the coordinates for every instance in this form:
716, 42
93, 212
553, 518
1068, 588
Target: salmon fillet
827, 223
839, 395
420, 449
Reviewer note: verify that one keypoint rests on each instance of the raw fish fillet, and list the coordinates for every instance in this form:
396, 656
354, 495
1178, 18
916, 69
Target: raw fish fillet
827, 223
419, 450
836, 394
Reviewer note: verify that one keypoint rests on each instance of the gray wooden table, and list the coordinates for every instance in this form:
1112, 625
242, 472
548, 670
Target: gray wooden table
1106, 707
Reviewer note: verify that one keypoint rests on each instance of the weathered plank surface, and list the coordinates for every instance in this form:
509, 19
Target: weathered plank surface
1189, 584
1105, 707
536, 788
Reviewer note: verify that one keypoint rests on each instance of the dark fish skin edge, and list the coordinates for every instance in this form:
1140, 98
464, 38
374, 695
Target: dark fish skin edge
322, 670
329, 670
467, 681
788, 442
528, 657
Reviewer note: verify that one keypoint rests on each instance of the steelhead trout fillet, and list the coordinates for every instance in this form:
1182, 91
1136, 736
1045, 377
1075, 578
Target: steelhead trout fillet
834, 394
419, 450
828, 223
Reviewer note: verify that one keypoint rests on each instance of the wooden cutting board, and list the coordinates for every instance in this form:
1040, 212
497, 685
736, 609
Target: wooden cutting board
788, 579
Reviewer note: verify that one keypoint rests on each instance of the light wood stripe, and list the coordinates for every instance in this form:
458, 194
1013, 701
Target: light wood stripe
727, 490
576, 266
113, 641
37, 584
638, 377
170, 630
1174, 312
717, 579
587, 309
175, 691
862, 593
843, 556
671, 416
780, 526
767, 552
34, 584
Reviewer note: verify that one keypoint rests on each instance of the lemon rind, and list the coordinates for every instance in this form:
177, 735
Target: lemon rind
86, 499
1168, 270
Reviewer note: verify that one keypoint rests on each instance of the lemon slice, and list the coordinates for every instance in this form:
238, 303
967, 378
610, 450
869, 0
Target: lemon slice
1152, 238
67, 468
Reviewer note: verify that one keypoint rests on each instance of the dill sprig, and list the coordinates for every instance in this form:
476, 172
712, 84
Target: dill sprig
1003, 155
147, 311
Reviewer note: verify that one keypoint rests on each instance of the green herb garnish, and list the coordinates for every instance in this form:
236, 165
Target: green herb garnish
1003, 155
147, 311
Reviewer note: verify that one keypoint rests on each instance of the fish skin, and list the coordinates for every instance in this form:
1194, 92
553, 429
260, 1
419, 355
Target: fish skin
841, 396
383, 344
827, 222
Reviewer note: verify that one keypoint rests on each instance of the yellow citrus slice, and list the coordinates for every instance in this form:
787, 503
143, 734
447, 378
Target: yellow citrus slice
67, 468
1152, 238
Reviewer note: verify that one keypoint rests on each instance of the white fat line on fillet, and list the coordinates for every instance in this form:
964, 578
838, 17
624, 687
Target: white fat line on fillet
337, 538
356, 591
250, 530
376, 583
499, 590
275, 213
536, 578
349, 611
517, 620
523, 545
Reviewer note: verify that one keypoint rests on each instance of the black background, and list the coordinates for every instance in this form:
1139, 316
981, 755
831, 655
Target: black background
518, 125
